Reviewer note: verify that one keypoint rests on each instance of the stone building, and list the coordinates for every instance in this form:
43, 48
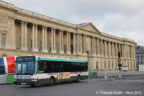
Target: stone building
23, 32
140, 58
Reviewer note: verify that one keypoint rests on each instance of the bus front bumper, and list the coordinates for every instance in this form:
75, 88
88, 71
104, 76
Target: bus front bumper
25, 82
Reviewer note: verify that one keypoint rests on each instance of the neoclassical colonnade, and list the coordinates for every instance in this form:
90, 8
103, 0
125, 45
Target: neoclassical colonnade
48, 39
39, 38
110, 49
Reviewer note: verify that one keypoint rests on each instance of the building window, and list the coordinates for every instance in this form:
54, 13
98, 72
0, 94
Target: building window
3, 39
97, 67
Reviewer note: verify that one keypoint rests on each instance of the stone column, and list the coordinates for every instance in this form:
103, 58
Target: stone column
116, 50
98, 47
77, 42
100, 54
93, 46
106, 55
22, 35
122, 51
113, 50
130, 52
36, 39
61, 42
84, 44
134, 53
80, 44
26, 39
125, 51
33, 37
102, 48
68, 43
109, 44
44, 39
74, 43
53, 42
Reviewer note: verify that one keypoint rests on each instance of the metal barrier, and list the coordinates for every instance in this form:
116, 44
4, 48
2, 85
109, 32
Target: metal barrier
92, 75
6, 79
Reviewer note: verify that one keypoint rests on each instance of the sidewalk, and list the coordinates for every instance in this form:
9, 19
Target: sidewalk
115, 73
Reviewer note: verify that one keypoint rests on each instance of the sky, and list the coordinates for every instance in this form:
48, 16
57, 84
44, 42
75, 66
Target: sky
122, 18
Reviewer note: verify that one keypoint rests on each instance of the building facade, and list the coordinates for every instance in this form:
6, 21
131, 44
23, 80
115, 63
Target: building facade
23, 32
140, 58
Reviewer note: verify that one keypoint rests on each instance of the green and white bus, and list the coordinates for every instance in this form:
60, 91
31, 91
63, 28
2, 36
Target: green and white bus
35, 71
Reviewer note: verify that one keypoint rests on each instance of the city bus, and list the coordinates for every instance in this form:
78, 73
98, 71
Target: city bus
36, 71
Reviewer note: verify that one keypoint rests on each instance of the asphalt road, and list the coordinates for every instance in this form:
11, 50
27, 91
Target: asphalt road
129, 86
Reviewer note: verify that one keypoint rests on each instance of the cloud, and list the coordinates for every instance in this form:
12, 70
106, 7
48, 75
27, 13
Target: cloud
123, 18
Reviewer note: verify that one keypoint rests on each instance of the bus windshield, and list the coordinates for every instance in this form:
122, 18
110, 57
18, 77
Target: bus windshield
25, 68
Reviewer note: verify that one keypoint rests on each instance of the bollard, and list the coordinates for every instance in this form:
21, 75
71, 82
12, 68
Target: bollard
105, 74
119, 74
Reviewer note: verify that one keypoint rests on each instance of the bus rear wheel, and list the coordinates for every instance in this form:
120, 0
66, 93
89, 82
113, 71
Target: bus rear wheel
52, 81
78, 79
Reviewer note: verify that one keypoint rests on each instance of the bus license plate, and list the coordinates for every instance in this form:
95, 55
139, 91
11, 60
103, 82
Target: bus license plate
23, 83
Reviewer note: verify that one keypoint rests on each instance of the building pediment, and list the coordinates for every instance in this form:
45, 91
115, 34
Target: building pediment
89, 27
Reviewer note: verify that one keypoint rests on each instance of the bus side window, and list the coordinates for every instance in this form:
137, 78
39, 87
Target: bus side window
42, 66
60, 67
67, 66
84, 67
50, 67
